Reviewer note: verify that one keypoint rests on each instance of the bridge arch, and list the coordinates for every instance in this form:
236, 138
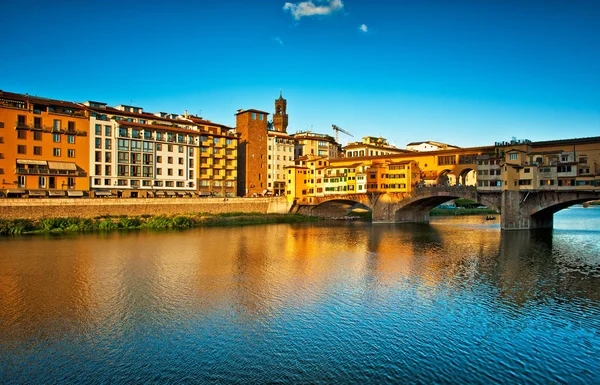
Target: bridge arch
467, 177
417, 209
539, 208
334, 207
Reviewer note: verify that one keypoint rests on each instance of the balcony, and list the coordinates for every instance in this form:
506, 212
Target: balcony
45, 171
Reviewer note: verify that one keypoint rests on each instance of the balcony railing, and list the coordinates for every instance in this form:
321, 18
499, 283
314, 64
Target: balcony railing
42, 171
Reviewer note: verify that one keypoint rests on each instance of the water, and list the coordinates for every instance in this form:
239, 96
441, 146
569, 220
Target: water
456, 301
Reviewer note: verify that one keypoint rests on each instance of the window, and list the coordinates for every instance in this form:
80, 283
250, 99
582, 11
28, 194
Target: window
71, 153
159, 159
159, 171
169, 171
21, 134
98, 129
158, 147
107, 170
37, 150
71, 139
181, 149
180, 160
41, 182
254, 116
180, 172
71, 126
107, 131
37, 135
98, 143
107, 144
170, 160
21, 120
56, 138
21, 149
98, 156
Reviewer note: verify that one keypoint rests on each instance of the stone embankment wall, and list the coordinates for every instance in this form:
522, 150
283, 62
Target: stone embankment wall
89, 208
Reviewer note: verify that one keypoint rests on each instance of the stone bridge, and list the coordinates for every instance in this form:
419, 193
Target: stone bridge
520, 209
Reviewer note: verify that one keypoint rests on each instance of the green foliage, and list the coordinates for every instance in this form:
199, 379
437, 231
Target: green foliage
108, 223
15, 226
129, 222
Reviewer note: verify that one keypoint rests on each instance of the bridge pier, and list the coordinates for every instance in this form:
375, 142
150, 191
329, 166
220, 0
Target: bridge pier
516, 209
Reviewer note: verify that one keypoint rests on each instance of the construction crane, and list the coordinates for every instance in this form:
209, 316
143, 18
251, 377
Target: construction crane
338, 130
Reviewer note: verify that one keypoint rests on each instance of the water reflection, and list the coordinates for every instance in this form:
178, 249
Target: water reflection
302, 293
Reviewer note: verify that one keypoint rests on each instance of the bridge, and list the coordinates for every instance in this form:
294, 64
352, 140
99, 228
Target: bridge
527, 182
520, 209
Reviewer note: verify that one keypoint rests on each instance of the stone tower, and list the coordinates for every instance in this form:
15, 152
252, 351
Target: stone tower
280, 118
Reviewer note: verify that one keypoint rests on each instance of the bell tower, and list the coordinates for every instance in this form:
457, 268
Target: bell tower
280, 118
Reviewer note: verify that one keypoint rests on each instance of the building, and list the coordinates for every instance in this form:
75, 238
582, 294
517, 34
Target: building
522, 165
310, 143
141, 154
314, 177
252, 127
429, 146
44, 147
370, 146
280, 149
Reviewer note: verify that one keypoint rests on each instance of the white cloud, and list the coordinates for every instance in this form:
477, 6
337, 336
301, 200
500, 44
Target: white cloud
308, 8
278, 40
363, 28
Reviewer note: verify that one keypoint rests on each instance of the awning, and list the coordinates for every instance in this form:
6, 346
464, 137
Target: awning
28, 161
15, 191
37, 193
170, 193
102, 193
56, 193
62, 166
159, 193
75, 193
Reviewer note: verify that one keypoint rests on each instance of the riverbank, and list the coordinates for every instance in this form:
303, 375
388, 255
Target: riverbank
110, 223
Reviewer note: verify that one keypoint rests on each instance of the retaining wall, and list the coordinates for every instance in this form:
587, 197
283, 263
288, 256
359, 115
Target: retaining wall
31, 208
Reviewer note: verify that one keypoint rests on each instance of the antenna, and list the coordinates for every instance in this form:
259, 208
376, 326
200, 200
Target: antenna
338, 130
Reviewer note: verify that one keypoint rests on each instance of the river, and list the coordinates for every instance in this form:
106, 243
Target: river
455, 301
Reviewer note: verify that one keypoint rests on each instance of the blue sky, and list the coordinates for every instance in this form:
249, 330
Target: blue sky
462, 72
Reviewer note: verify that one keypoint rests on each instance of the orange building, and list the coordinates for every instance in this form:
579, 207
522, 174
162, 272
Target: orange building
44, 147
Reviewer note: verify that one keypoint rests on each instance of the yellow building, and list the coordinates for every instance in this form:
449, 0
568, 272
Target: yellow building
44, 147
552, 165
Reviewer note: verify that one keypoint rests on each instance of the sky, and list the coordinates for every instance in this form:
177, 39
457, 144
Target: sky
467, 73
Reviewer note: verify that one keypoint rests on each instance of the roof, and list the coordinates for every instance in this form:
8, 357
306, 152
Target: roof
251, 110
439, 144
151, 117
562, 142
169, 128
39, 100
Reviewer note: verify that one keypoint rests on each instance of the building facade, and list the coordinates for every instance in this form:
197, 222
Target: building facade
44, 147
522, 165
140, 154
252, 127
313, 144
370, 146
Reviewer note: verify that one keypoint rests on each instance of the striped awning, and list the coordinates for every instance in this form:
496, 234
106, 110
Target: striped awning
15, 191
62, 166
75, 193
37, 193
56, 193
30, 161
